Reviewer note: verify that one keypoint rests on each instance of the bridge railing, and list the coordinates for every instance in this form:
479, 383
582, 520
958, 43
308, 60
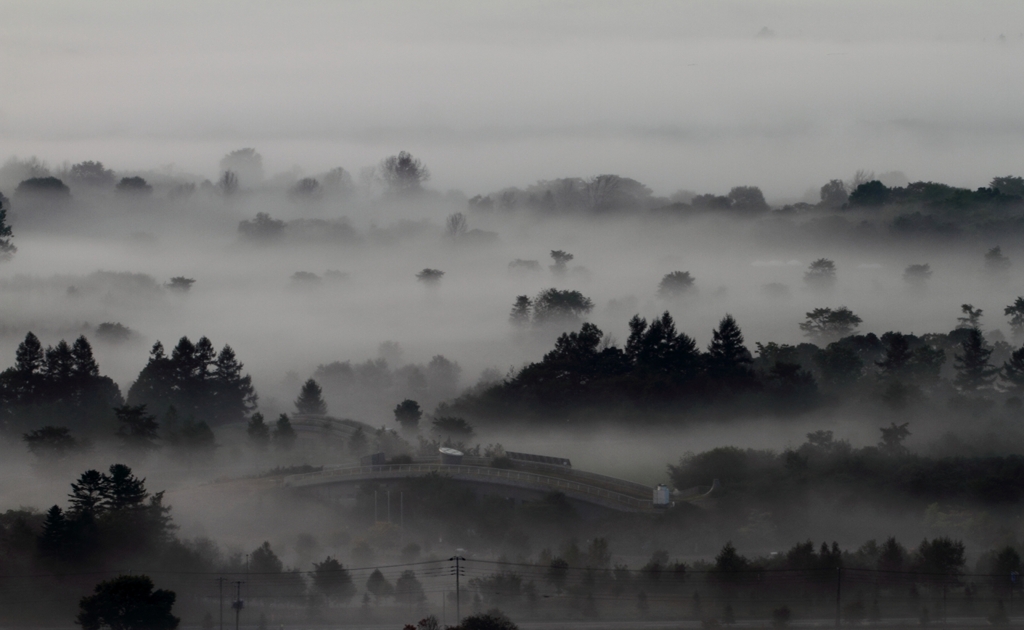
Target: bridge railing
398, 470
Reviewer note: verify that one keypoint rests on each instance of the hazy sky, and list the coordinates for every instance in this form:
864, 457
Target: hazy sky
490, 94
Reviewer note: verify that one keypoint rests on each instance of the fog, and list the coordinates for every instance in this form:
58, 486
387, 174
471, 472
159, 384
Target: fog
255, 191
674, 94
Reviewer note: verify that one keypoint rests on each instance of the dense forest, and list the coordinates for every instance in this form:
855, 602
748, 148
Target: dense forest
887, 433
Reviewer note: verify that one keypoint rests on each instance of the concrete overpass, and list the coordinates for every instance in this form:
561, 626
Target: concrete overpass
591, 488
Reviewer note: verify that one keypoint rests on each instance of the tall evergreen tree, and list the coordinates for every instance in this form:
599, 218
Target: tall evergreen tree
973, 371
29, 358
897, 355
59, 365
234, 394
137, 428
659, 350
7, 248
123, 490
728, 360
88, 494
83, 363
1013, 371
53, 537
258, 431
284, 434
310, 400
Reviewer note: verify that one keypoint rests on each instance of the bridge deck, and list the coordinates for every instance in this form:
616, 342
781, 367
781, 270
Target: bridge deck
628, 500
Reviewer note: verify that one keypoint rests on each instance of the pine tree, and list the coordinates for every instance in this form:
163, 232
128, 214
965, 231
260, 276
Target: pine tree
973, 369
258, 431
29, 358
83, 363
234, 394
123, 490
1013, 370
729, 361
53, 538
310, 400
88, 495
284, 434
897, 355
7, 248
138, 429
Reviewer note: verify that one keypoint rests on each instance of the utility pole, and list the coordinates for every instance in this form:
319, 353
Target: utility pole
237, 604
375, 506
220, 585
389, 506
458, 595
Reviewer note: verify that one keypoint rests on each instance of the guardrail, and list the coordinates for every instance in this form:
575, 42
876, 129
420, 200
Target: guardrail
473, 472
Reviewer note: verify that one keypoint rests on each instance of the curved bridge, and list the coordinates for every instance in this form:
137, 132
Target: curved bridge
608, 492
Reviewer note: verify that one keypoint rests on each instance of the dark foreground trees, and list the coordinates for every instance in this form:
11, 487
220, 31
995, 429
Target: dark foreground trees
128, 603
198, 382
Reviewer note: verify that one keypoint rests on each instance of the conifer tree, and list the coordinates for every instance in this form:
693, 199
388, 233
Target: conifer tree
973, 369
310, 400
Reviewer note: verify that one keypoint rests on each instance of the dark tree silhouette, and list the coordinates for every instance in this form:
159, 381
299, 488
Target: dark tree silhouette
408, 589
228, 183
675, 284
555, 305
51, 442
971, 317
408, 414
996, 262
821, 274
520, 315
430, 277
493, 619
262, 229
284, 434
7, 248
306, 189
311, 400
127, 602
246, 163
729, 361
747, 199
134, 186
917, 275
53, 539
137, 429
1015, 313
264, 560
871, 194
452, 426
659, 352
826, 324
562, 259
833, 194
332, 579
258, 431
456, 225
40, 186
197, 381
1008, 185
378, 586
91, 174
88, 494
1013, 371
973, 371
892, 439
181, 284
403, 174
